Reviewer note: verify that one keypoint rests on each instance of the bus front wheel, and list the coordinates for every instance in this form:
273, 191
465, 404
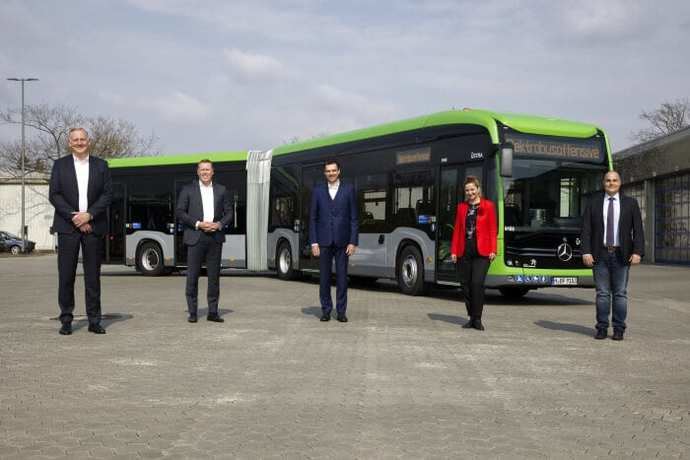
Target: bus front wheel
284, 262
411, 271
513, 293
150, 259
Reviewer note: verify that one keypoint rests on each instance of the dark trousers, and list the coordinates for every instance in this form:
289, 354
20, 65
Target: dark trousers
472, 275
209, 250
68, 256
611, 280
328, 253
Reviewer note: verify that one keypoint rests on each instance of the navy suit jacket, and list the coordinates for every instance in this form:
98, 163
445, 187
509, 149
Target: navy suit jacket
63, 194
334, 222
190, 210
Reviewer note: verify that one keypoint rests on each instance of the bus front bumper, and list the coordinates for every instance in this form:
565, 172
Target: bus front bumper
539, 281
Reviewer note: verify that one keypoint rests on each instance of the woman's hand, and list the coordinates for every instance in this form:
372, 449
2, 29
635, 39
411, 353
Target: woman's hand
492, 256
454, 258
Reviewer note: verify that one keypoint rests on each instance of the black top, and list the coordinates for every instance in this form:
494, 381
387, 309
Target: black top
471, 230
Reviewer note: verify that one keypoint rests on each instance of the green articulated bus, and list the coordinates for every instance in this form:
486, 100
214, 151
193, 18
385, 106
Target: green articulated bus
409, 179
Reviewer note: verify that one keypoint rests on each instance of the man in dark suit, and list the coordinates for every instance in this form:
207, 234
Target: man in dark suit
333, 233
204, 208
80, 191
612, 240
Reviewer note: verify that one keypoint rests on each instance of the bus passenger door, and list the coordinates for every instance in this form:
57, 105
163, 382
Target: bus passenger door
451, 193
311, 175
180, 249
115, 241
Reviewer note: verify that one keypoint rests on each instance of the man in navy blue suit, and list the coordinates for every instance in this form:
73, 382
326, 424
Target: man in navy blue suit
333, 233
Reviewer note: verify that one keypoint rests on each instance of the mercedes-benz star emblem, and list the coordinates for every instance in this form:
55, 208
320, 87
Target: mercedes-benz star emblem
564, 252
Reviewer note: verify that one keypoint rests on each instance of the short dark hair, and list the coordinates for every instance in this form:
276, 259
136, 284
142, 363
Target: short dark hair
331, 161
205, 160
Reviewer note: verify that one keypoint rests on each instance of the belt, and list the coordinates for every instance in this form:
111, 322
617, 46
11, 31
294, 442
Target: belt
611, 248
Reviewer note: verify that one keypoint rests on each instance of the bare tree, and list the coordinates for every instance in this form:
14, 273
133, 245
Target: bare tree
47, 138
668, 118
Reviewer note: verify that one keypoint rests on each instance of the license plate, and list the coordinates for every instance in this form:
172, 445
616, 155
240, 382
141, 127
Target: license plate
564, 281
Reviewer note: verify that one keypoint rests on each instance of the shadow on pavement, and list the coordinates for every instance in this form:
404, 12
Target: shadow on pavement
107, 319
448, 318
568, 327
313, 311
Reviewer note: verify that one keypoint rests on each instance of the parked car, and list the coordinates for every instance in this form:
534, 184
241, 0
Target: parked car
12, 243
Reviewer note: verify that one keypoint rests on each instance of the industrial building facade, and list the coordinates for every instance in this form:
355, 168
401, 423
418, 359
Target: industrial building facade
657, 173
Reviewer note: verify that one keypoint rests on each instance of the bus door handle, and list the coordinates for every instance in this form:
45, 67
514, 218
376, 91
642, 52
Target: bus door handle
382, 238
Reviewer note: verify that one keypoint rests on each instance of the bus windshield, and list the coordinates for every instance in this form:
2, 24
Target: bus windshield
549, 195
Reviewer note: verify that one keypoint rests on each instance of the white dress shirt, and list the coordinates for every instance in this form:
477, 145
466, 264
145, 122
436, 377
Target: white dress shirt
207, 201
616, 216
333, 189
81, 167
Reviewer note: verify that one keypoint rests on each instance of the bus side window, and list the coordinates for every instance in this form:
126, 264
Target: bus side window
372, 196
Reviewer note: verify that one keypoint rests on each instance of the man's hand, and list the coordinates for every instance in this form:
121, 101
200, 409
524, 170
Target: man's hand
207, 227
588, 260
350, 249
86, 229
80, 218
635, 259
315, 251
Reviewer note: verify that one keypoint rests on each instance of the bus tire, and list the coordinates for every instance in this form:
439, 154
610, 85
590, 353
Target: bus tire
513, 292
150, 259
410, 271
284, 262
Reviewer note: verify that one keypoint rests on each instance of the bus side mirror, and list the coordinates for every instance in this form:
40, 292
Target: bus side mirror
507, 160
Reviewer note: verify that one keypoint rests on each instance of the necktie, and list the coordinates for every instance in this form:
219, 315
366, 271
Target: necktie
610, 239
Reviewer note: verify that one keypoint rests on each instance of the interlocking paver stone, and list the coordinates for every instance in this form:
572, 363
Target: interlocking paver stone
400, 380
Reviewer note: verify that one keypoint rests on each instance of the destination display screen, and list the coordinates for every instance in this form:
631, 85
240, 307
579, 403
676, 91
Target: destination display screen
590, 150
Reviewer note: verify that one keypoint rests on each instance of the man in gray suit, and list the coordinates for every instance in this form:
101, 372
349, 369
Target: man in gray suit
204, 208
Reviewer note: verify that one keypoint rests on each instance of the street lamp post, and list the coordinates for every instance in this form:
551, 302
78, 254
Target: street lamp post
23, 231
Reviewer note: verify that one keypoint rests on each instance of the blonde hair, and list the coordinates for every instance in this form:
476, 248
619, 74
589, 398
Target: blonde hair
79, 128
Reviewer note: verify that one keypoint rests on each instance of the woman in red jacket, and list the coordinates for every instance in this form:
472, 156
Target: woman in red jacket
474, 246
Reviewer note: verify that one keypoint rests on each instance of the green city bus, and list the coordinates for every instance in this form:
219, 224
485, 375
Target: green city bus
408, 176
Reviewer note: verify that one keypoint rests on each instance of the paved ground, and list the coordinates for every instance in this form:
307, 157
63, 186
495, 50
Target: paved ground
402, 379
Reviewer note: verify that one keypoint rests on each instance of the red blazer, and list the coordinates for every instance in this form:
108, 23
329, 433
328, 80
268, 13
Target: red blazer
486, 229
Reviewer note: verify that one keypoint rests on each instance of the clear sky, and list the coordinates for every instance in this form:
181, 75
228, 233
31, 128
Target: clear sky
229, 75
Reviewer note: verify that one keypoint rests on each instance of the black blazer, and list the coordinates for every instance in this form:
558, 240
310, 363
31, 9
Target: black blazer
630, 228
190, 210
64, 194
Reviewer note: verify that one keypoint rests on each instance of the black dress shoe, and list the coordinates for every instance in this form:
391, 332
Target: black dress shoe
192, 318
66, 329
469, 324
325, 317
601, 333
477, 324
215, 319
617, 334
96, 329
342, 318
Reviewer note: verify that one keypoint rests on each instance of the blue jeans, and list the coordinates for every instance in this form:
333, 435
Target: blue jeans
611, 279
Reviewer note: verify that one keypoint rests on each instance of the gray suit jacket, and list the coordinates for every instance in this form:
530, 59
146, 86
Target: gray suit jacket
190, 210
